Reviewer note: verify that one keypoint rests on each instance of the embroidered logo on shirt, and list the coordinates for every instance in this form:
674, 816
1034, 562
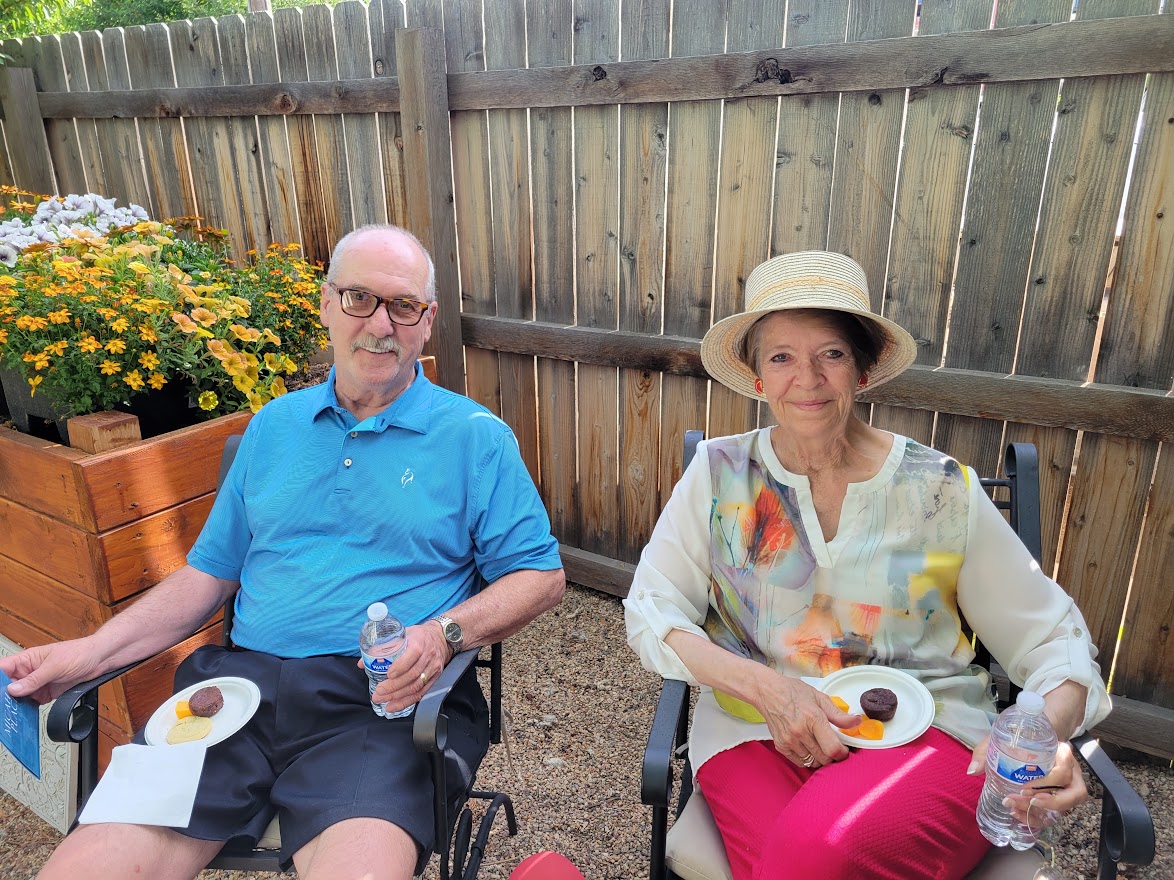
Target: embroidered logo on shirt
408, 477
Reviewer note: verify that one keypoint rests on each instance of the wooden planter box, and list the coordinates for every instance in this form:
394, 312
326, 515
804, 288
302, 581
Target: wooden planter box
84, 536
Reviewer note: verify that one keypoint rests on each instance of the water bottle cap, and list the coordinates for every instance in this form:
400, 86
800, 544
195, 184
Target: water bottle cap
1030, 703
376, 611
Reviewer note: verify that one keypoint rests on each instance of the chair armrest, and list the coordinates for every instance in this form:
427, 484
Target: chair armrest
430, 728
61, 725
1127, 830
656, 778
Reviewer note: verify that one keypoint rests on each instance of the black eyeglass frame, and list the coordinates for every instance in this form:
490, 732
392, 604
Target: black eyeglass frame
386, 301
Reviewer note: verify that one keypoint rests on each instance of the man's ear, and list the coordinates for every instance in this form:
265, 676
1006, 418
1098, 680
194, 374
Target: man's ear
324, 304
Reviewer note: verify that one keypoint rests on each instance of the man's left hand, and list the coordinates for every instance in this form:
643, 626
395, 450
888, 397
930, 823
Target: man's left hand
413, 672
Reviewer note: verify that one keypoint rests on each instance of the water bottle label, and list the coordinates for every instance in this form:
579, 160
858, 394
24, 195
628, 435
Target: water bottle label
378, 665
1020, 772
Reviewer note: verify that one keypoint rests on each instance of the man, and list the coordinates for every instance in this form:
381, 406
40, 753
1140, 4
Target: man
374, 486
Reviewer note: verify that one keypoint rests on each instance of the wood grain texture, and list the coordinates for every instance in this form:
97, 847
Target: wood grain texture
513, 284
148, 55
40, 475
1137, 725
280, 186
352, 39
329, 133
122, 140
931, 189
140, 554
552, 196
1048, 402
464, 38
1104, 522
87, 131
691, 205
644, 33
597, 181
24, 535
32, 164
309, 187
132, 483
746, 170
386, 17
56, 608
428, 160
64, 147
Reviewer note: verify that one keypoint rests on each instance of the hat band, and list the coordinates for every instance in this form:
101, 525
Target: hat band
806, 281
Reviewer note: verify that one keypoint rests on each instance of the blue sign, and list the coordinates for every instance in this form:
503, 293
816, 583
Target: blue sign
20, 728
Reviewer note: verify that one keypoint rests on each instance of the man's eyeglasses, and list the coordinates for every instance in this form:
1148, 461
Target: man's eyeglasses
362, 304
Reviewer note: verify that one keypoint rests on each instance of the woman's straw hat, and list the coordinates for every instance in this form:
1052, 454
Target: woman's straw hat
804, 280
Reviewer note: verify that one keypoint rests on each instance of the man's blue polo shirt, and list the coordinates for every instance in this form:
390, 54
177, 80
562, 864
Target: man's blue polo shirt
321, 515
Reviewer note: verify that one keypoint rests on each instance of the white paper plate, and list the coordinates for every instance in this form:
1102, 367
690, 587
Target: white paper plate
241, 699
915, 709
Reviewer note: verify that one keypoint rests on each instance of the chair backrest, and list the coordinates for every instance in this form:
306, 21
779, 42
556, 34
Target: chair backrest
1017, 493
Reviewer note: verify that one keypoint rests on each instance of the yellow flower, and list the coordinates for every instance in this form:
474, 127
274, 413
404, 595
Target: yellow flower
272, 362
3, 335
89, 344
186, 324
243, 382
157, 381
235, 365
147, 333
277, 387
208, 401
133, 379
219, 349
289, 366
268, 335
115, 346
148, 360
61, 316
256, 401
33, 383
203, 316
31, 322
138, 268
245, 334
109, 368
57, 349
119, 325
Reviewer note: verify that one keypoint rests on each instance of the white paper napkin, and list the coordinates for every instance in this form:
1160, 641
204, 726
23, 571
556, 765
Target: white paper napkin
147, 785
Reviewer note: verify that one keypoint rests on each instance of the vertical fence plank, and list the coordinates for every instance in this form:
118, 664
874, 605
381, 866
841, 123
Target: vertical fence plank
31, 163
746, 175
196, 55
423, 80
698, 28
364, 163
939, 128
148, 57
1010, 156
123, 133
1145, 662
513, 283
644, 34
280, 186
549, 26
1114, 474
49, 70
244, 138
6, 178
309, 185
322, 65
386, 17
597, 180
87, 131
464, 39
1078, 219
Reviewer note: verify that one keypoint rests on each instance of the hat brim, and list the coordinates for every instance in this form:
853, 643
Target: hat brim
722, 347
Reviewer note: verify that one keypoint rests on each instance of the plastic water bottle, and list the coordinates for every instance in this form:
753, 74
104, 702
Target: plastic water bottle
1022, 749
381, 641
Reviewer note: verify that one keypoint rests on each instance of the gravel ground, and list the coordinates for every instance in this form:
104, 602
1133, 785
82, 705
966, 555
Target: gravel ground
577, 710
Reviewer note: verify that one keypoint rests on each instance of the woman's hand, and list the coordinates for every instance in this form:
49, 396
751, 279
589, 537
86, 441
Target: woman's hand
1060, 791
797, 716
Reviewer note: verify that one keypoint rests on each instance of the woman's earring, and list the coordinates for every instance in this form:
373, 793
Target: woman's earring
863, 379
758, 385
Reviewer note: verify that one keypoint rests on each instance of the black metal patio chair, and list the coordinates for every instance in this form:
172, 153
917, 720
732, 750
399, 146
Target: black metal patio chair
74, 718
693, 849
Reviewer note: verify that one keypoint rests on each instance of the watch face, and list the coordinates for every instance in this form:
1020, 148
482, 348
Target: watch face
452, 631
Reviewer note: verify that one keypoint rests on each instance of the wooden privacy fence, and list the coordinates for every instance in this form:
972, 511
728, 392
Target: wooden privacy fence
595, 188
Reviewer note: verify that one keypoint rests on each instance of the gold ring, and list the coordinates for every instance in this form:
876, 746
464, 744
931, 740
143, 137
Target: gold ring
808, 761
423, 677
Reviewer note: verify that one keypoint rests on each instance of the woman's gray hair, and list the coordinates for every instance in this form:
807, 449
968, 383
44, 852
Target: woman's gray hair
349, 239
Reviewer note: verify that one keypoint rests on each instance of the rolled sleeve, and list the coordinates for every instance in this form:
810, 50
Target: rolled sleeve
1026, 620
670, 589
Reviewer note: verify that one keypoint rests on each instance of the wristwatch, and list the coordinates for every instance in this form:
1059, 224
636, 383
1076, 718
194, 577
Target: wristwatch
452, 633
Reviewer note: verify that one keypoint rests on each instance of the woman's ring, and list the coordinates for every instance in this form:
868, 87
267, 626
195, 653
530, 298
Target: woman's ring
808, 761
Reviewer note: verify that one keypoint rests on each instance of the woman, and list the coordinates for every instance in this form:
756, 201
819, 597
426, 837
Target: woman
798, 550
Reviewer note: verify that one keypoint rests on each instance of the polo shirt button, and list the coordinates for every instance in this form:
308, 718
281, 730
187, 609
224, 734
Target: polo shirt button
347, 462
354, 433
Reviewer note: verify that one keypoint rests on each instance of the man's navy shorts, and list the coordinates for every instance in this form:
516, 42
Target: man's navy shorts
316, 754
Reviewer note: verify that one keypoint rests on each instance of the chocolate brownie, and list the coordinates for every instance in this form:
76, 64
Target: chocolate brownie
206, 702
880, 704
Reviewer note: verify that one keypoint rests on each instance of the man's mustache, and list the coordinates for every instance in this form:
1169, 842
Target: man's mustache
378, 344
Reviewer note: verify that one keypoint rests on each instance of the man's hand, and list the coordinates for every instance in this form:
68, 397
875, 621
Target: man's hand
44, 673
412, 673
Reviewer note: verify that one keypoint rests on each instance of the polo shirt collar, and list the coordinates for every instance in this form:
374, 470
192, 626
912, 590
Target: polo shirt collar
410, 410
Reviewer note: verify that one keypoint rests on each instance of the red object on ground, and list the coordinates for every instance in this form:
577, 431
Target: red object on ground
546, 866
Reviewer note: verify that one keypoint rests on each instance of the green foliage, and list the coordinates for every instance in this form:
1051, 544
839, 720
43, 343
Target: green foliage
20, 18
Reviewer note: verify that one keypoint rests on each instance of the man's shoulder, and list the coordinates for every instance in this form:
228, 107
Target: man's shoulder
456, 414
